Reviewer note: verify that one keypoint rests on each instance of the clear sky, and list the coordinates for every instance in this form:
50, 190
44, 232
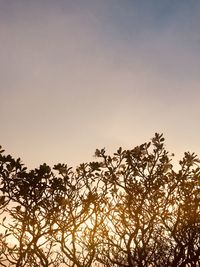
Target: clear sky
76, 75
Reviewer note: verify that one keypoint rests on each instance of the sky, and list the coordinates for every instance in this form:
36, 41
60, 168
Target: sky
79, 75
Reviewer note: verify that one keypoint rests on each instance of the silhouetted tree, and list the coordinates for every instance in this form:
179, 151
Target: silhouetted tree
154, 217
28, 216
80, 214
130, 209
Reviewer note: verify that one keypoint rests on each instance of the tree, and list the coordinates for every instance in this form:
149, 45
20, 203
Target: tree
129, 209
154, 211
29, 212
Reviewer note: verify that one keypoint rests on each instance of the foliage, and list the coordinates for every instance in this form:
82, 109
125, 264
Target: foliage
130, 209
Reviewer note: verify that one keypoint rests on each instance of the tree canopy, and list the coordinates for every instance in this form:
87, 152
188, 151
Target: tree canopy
133, 208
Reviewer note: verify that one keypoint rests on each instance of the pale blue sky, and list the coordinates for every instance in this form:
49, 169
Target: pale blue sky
80, 75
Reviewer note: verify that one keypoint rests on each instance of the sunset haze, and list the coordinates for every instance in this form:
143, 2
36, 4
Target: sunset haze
79, 75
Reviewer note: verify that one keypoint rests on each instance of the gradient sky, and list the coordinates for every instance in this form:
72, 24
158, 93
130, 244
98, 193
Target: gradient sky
76, 75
